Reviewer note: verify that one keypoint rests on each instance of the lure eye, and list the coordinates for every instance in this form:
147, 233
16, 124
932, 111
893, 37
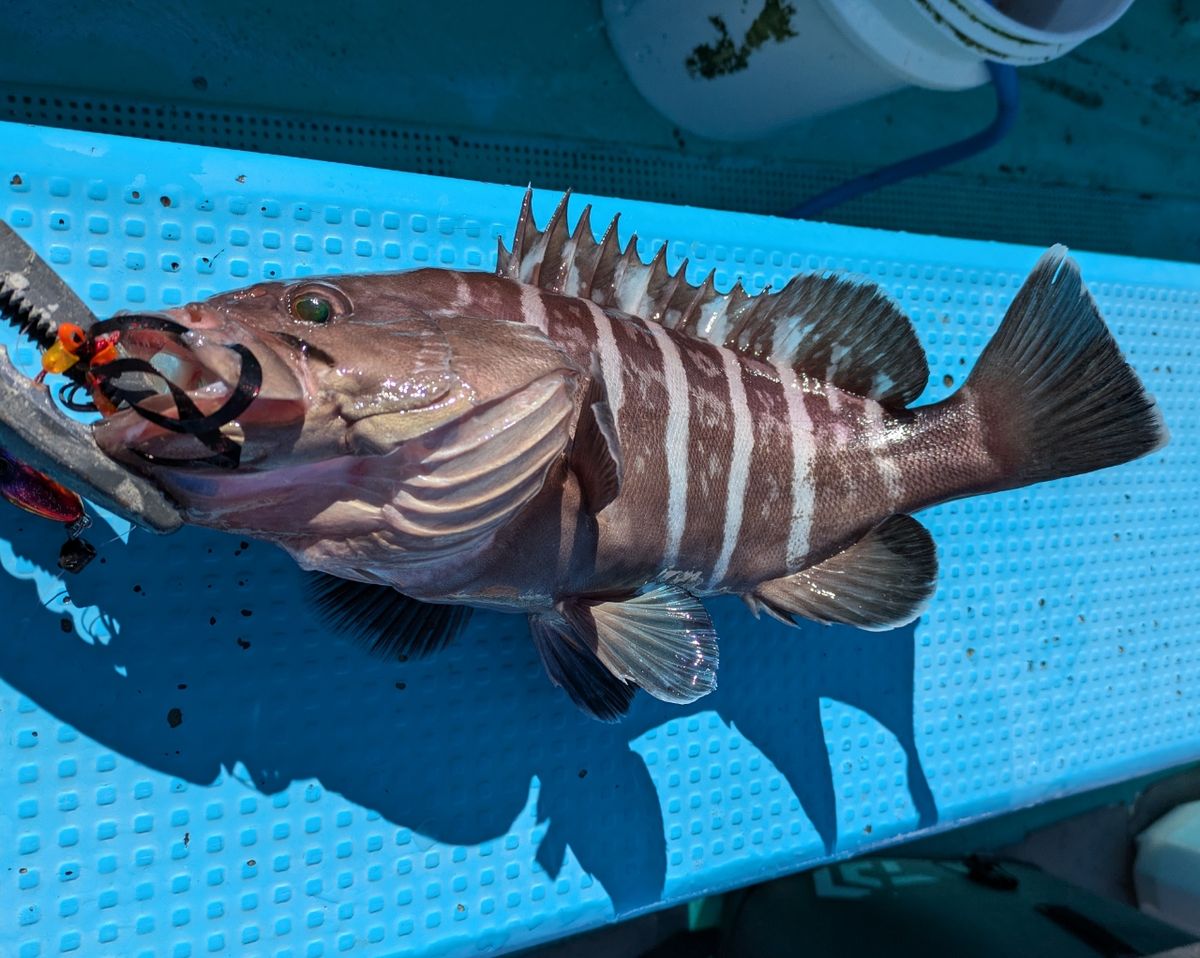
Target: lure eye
312, 308
317, 303
71, 337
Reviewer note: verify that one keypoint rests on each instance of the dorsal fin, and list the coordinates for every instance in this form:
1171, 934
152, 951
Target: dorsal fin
831, 328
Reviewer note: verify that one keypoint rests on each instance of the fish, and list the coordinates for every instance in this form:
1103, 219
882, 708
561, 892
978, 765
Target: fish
588, 439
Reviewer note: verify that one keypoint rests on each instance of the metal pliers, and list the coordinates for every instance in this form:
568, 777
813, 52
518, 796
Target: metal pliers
32, 428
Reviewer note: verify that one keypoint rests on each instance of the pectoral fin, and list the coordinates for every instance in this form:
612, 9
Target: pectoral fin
595, 450
466, 479
883, 581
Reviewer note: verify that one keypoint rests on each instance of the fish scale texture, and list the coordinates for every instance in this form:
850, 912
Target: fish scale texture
191, 766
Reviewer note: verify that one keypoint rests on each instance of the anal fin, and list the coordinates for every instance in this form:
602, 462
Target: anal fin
387, 622
882, 582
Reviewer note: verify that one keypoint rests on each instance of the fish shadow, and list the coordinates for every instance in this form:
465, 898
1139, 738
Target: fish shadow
217, 660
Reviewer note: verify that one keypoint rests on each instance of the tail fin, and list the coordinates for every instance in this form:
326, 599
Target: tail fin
1057, 397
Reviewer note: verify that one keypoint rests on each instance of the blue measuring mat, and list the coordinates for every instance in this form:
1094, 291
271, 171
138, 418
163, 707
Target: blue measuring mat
192, 766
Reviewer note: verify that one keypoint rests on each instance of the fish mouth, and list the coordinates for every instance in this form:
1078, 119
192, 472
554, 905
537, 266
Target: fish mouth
180, 397
207, 375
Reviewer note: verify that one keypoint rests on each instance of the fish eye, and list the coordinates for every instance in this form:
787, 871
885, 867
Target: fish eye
317, 304
312, 308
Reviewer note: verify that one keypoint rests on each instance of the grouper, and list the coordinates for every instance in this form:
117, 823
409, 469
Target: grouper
593, 442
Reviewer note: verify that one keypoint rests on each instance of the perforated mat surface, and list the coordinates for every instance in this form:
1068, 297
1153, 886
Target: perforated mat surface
192, 767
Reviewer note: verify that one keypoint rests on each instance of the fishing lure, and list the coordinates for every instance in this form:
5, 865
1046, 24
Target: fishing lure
91, 360
38, 494
34, 491
72, 347
94, 364
87, 354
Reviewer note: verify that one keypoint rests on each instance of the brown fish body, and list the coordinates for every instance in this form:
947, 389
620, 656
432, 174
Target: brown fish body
592, 441
736, 471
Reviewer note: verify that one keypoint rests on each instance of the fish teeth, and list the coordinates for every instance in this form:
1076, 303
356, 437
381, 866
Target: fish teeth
217, 389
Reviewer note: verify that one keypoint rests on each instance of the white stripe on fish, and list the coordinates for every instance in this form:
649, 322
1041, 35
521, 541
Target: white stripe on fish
612, 367
675, 442
803, 452
889, 469
533, 309
739, 467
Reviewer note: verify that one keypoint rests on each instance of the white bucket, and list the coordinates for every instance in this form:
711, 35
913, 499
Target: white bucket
741, 69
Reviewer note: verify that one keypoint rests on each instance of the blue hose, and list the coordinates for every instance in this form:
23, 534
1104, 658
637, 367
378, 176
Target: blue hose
1004, 82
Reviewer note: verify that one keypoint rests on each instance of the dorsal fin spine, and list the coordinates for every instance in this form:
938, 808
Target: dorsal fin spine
690, 321
633, 286
656, 285
584, 256
526, 231
679, 297
846, 333
555, 238
606, 261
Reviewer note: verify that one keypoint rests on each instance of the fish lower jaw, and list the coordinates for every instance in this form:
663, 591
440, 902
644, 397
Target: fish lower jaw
126, 437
